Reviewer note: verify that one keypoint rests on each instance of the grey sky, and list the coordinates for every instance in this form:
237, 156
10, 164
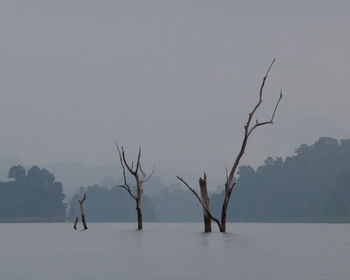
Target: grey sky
178, 77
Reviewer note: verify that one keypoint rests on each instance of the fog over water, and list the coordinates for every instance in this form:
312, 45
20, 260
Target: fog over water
175, 251
177, 77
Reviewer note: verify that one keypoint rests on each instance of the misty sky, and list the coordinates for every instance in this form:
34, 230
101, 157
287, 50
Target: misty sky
177, 77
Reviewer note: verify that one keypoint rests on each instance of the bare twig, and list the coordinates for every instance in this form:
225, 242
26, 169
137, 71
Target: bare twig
126, 163
128, 190
257, 124
138, 161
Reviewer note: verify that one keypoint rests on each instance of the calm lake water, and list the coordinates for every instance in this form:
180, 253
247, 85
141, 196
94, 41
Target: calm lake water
175, 251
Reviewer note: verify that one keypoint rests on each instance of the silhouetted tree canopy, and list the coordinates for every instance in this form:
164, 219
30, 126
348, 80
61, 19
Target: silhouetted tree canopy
32, 195
17, 172
313, 185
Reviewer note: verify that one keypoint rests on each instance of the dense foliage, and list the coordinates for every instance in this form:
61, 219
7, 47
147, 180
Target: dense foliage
32, 195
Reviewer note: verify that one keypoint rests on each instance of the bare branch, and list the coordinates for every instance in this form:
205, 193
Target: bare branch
264, 79
138, 161
278, 102
84, 198
126, 163
142, 172
257, 124
193, 191
126, 186
247, 130
251, 114
200, 200
233, 185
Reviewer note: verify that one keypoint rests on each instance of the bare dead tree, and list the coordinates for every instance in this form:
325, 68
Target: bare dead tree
140, 178
81, 202
249, 127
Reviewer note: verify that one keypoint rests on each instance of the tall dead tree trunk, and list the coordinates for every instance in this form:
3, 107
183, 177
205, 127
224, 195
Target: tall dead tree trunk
81, 202
229, 185
140, 178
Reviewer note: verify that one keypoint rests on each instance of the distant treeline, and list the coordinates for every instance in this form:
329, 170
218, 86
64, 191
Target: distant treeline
31, 196
311, 186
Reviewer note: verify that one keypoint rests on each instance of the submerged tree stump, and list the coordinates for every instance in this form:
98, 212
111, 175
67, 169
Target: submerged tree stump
205, 199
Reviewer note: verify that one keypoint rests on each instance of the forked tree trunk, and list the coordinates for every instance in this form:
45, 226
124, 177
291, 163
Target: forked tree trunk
205, 199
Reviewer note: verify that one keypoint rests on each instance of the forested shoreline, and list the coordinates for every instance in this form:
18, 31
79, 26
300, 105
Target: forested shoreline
310, 186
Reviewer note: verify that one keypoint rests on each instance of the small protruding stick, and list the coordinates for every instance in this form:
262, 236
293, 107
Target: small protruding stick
75, 223
82, 212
